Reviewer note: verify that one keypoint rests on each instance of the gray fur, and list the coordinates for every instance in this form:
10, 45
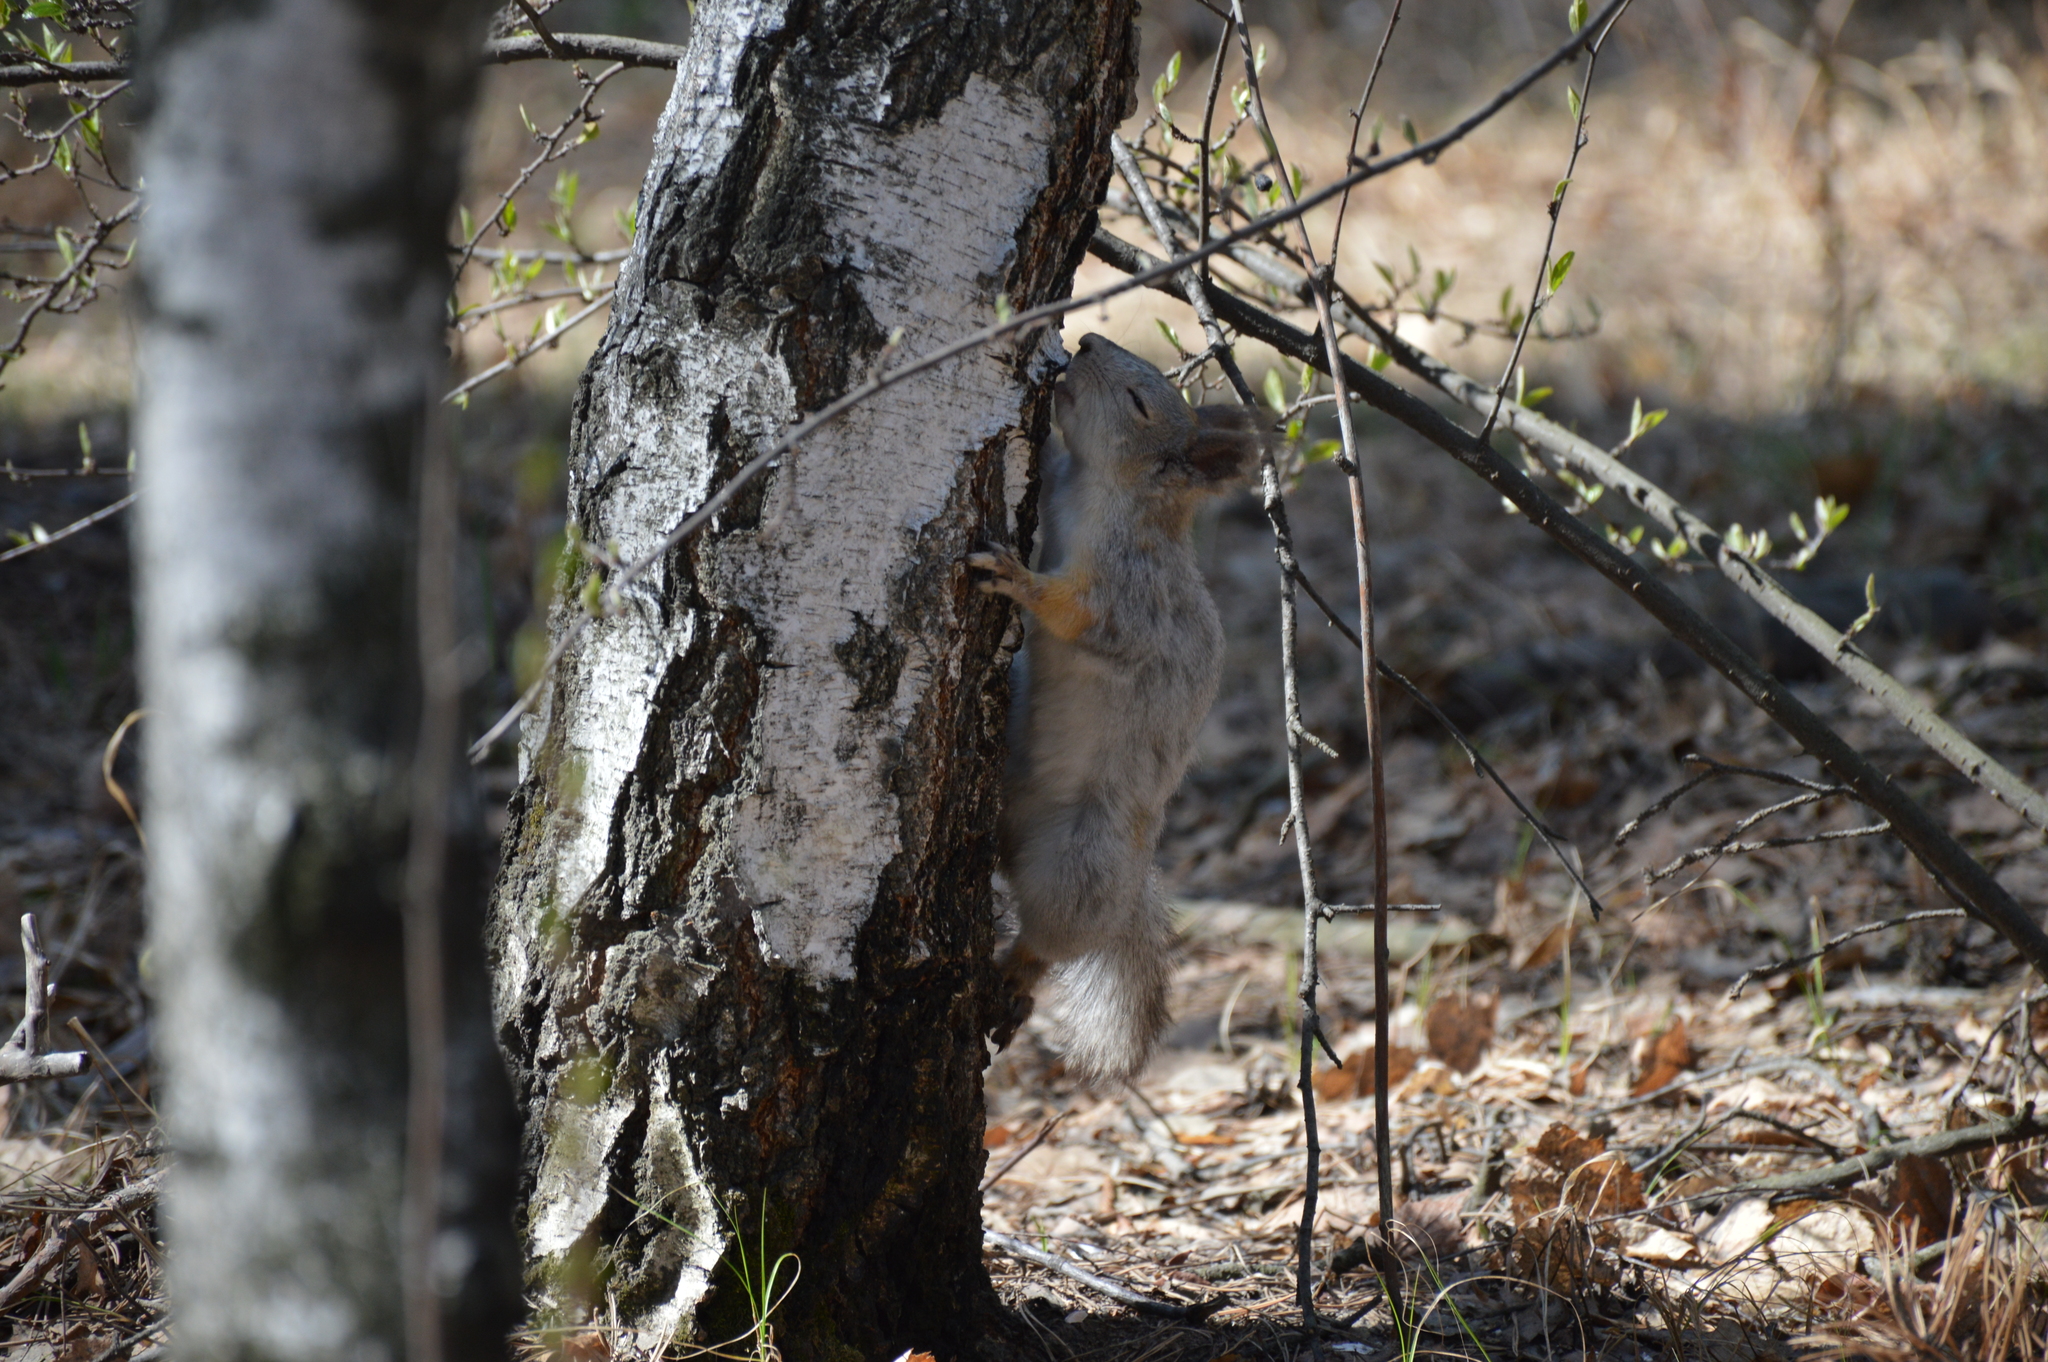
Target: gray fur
1104, 721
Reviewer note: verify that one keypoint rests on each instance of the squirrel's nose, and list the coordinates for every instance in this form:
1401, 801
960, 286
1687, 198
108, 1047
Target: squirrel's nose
1087, 342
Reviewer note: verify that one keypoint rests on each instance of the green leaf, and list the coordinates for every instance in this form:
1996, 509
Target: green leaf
563, 195
1558, 192
466, 222
1173, 70
1322, 451
627, 220
46, 9
1798, 525
1641, 423
1294, 428
1172, 337
508, 216
1259, 61
1536, 395
1571, 99
1378, 360
589, 134
1408, 130
1275, 390
1577, 15
1559, 269
1003, 309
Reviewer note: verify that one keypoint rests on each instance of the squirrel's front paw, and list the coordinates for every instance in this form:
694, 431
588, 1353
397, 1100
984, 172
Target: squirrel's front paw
1006, 571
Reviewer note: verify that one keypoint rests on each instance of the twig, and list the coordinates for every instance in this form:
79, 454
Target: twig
1539, 296
551, 149
540, 343
498, 51
23, 1057
1479, 763
1372, 79
1036, 1140
1107, 1286
2022, 1125
58, 1242
1734, 848
61, 73
1031, 317
1375, 763
1718, 768
1954, 869
1780, 966
540, 29
1597, 464
103, 513
113, 1070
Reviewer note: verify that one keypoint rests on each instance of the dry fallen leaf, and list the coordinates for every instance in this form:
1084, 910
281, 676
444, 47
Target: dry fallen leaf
1670, 1055
1603, 1186
1923, 1201
1460, 1029
1354, 1078
1666, 1248
1564, 1148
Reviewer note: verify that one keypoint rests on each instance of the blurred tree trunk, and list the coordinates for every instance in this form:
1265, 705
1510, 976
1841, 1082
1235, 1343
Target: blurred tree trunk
743, 924
301, 159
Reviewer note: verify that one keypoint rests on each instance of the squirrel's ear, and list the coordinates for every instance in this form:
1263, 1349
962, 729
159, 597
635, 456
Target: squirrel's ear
1227, 443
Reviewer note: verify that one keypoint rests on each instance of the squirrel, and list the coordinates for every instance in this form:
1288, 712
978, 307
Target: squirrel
1122, 653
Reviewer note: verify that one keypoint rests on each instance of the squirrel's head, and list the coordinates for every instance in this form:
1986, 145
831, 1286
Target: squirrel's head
1119, 413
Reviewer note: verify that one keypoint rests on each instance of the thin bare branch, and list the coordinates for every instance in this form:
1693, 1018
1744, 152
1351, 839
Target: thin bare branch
1106, 1286
1961, 877
498, 51
1545, 288
106, 512
1550, 837
1794, 962
23, 1057
539, 343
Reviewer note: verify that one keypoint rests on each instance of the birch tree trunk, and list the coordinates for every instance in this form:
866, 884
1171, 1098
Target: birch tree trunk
301, 159
743, 926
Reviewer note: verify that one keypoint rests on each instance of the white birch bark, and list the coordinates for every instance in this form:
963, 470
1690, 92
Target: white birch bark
743, 926
300, 161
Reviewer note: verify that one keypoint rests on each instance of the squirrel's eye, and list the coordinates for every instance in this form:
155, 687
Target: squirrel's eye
1139, 403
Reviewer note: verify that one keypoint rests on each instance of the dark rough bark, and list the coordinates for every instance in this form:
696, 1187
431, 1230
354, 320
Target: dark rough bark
301, 159
743, 927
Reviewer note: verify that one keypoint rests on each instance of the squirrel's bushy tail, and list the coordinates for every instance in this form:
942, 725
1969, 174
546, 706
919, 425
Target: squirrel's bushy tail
1110, 1004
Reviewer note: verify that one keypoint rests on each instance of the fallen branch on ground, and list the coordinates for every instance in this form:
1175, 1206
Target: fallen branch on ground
22, 1057
1107, 1286
2021, 1125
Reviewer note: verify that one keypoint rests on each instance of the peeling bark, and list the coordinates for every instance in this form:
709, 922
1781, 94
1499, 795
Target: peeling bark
743, 925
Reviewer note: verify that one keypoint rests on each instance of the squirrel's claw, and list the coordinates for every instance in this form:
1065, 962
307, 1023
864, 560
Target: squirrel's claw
1001, 563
